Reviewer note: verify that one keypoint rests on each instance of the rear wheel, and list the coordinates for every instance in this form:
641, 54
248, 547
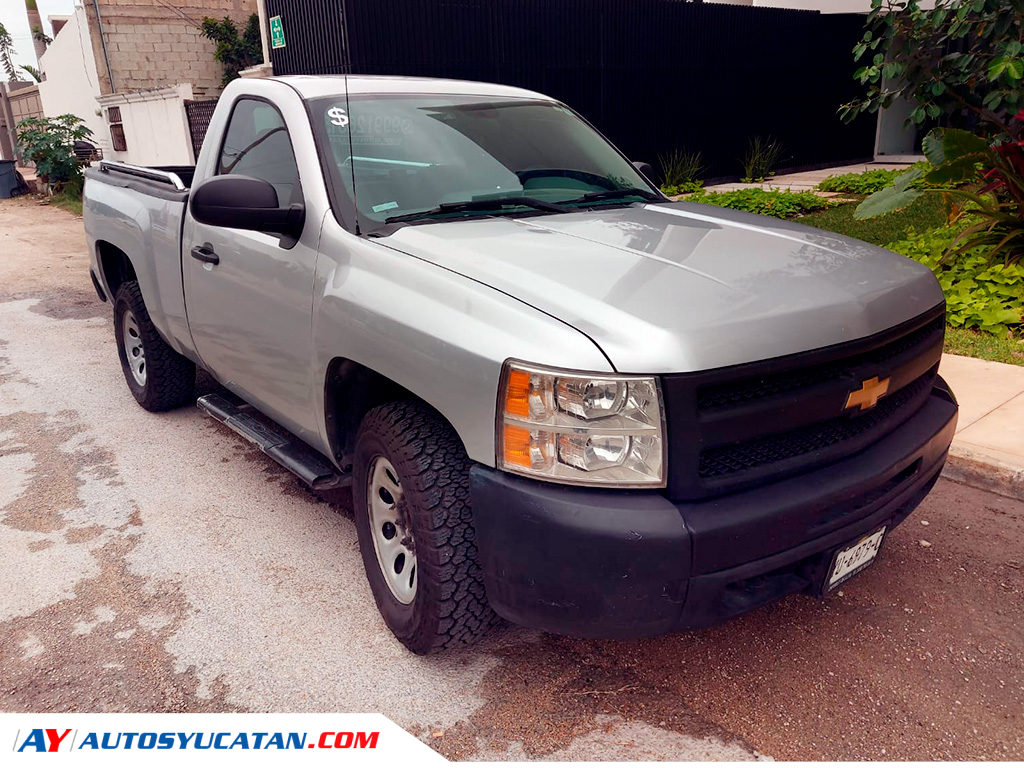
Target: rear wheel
415, 527
159, 378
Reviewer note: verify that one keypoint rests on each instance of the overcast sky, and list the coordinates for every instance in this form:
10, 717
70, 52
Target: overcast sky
12, 16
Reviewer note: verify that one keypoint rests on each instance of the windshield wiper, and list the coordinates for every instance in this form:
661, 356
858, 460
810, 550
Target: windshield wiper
486, 204
612, 194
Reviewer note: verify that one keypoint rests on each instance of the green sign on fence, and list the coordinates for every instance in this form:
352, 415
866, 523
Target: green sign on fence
276, 32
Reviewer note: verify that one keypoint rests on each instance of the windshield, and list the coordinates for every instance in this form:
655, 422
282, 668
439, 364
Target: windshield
421, 157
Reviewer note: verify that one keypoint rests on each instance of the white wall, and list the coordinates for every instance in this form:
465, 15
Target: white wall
156, 130
155, 126
71, 84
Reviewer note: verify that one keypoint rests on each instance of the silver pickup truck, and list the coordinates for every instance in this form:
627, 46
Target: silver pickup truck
559, 397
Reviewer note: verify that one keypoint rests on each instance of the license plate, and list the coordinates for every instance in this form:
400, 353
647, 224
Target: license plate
854, 559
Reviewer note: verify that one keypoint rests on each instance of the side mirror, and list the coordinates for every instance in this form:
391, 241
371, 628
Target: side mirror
646, 169
242, 202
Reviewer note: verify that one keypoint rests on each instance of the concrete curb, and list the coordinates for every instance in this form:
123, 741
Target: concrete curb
980, 470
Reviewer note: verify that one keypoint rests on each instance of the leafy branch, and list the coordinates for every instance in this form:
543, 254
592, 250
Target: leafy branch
236, 51
962, 60
38, 34
7, 54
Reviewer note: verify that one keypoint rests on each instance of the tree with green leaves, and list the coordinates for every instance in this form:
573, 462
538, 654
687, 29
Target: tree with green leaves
236, 51
7, 54
49, 142
32, 72
962, 60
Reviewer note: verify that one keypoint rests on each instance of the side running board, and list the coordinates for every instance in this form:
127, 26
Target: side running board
308, 465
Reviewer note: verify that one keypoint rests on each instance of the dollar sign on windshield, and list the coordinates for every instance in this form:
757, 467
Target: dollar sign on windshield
338, 116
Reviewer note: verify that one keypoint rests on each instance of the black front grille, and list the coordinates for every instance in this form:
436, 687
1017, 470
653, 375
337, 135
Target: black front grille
738, 427
719, 395
788, 445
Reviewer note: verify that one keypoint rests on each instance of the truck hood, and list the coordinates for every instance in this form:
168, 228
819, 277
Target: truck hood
682, 287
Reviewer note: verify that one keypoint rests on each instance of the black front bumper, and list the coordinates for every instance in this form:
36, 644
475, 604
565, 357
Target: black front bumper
596, 563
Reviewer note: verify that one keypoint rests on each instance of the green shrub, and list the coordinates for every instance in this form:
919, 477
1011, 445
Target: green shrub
683, 188
871, 181
680, 172
761, 158
860, 183
768, 202
49, 142
979, 294
236, 50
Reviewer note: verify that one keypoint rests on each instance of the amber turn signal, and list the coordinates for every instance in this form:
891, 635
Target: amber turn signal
517, 394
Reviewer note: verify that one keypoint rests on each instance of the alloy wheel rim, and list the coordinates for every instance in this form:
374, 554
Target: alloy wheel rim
392, 537
133, 349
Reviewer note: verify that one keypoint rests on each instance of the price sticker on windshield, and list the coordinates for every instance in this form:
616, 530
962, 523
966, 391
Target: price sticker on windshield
338, 116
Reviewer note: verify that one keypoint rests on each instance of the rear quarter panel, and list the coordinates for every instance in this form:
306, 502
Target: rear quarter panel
147, 228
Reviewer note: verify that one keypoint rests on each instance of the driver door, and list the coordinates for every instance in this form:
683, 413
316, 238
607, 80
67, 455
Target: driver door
250, 313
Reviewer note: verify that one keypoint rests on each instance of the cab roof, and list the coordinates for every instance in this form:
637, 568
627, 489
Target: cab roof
318, 86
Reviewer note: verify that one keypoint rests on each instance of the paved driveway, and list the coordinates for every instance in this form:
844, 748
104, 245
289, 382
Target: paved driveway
156, 562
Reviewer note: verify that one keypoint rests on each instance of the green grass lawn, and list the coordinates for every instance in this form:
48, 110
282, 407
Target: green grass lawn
70, 203
925, 213
987, 346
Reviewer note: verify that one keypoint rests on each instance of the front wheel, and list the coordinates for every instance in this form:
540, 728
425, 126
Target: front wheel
159, 378
415, 528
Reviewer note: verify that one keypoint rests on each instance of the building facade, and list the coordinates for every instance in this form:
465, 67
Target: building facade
72, 82
127, 69
148, 44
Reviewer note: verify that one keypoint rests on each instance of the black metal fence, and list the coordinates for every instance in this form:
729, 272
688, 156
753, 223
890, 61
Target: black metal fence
653, 75
199, 114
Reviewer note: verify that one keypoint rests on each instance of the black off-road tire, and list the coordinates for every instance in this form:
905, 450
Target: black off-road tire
170, 378
450, 607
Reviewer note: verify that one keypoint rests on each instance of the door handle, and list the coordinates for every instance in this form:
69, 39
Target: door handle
206, 254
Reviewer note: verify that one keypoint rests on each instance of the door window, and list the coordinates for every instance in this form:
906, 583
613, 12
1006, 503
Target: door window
257, 144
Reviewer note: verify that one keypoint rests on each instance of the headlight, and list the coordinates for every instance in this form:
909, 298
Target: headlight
584, 429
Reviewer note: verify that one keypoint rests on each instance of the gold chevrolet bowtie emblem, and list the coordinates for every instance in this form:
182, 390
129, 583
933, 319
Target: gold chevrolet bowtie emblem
871, 390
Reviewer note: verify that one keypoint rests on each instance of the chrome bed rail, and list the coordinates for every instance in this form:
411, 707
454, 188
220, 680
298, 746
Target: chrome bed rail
151, 174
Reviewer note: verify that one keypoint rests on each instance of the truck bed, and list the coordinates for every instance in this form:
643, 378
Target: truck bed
170, 182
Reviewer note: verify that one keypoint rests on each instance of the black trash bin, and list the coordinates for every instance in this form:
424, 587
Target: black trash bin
9, 183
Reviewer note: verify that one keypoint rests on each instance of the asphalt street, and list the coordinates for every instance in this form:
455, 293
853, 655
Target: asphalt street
158, 563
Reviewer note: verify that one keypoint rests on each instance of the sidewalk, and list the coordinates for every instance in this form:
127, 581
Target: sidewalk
807, 180
988, 450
